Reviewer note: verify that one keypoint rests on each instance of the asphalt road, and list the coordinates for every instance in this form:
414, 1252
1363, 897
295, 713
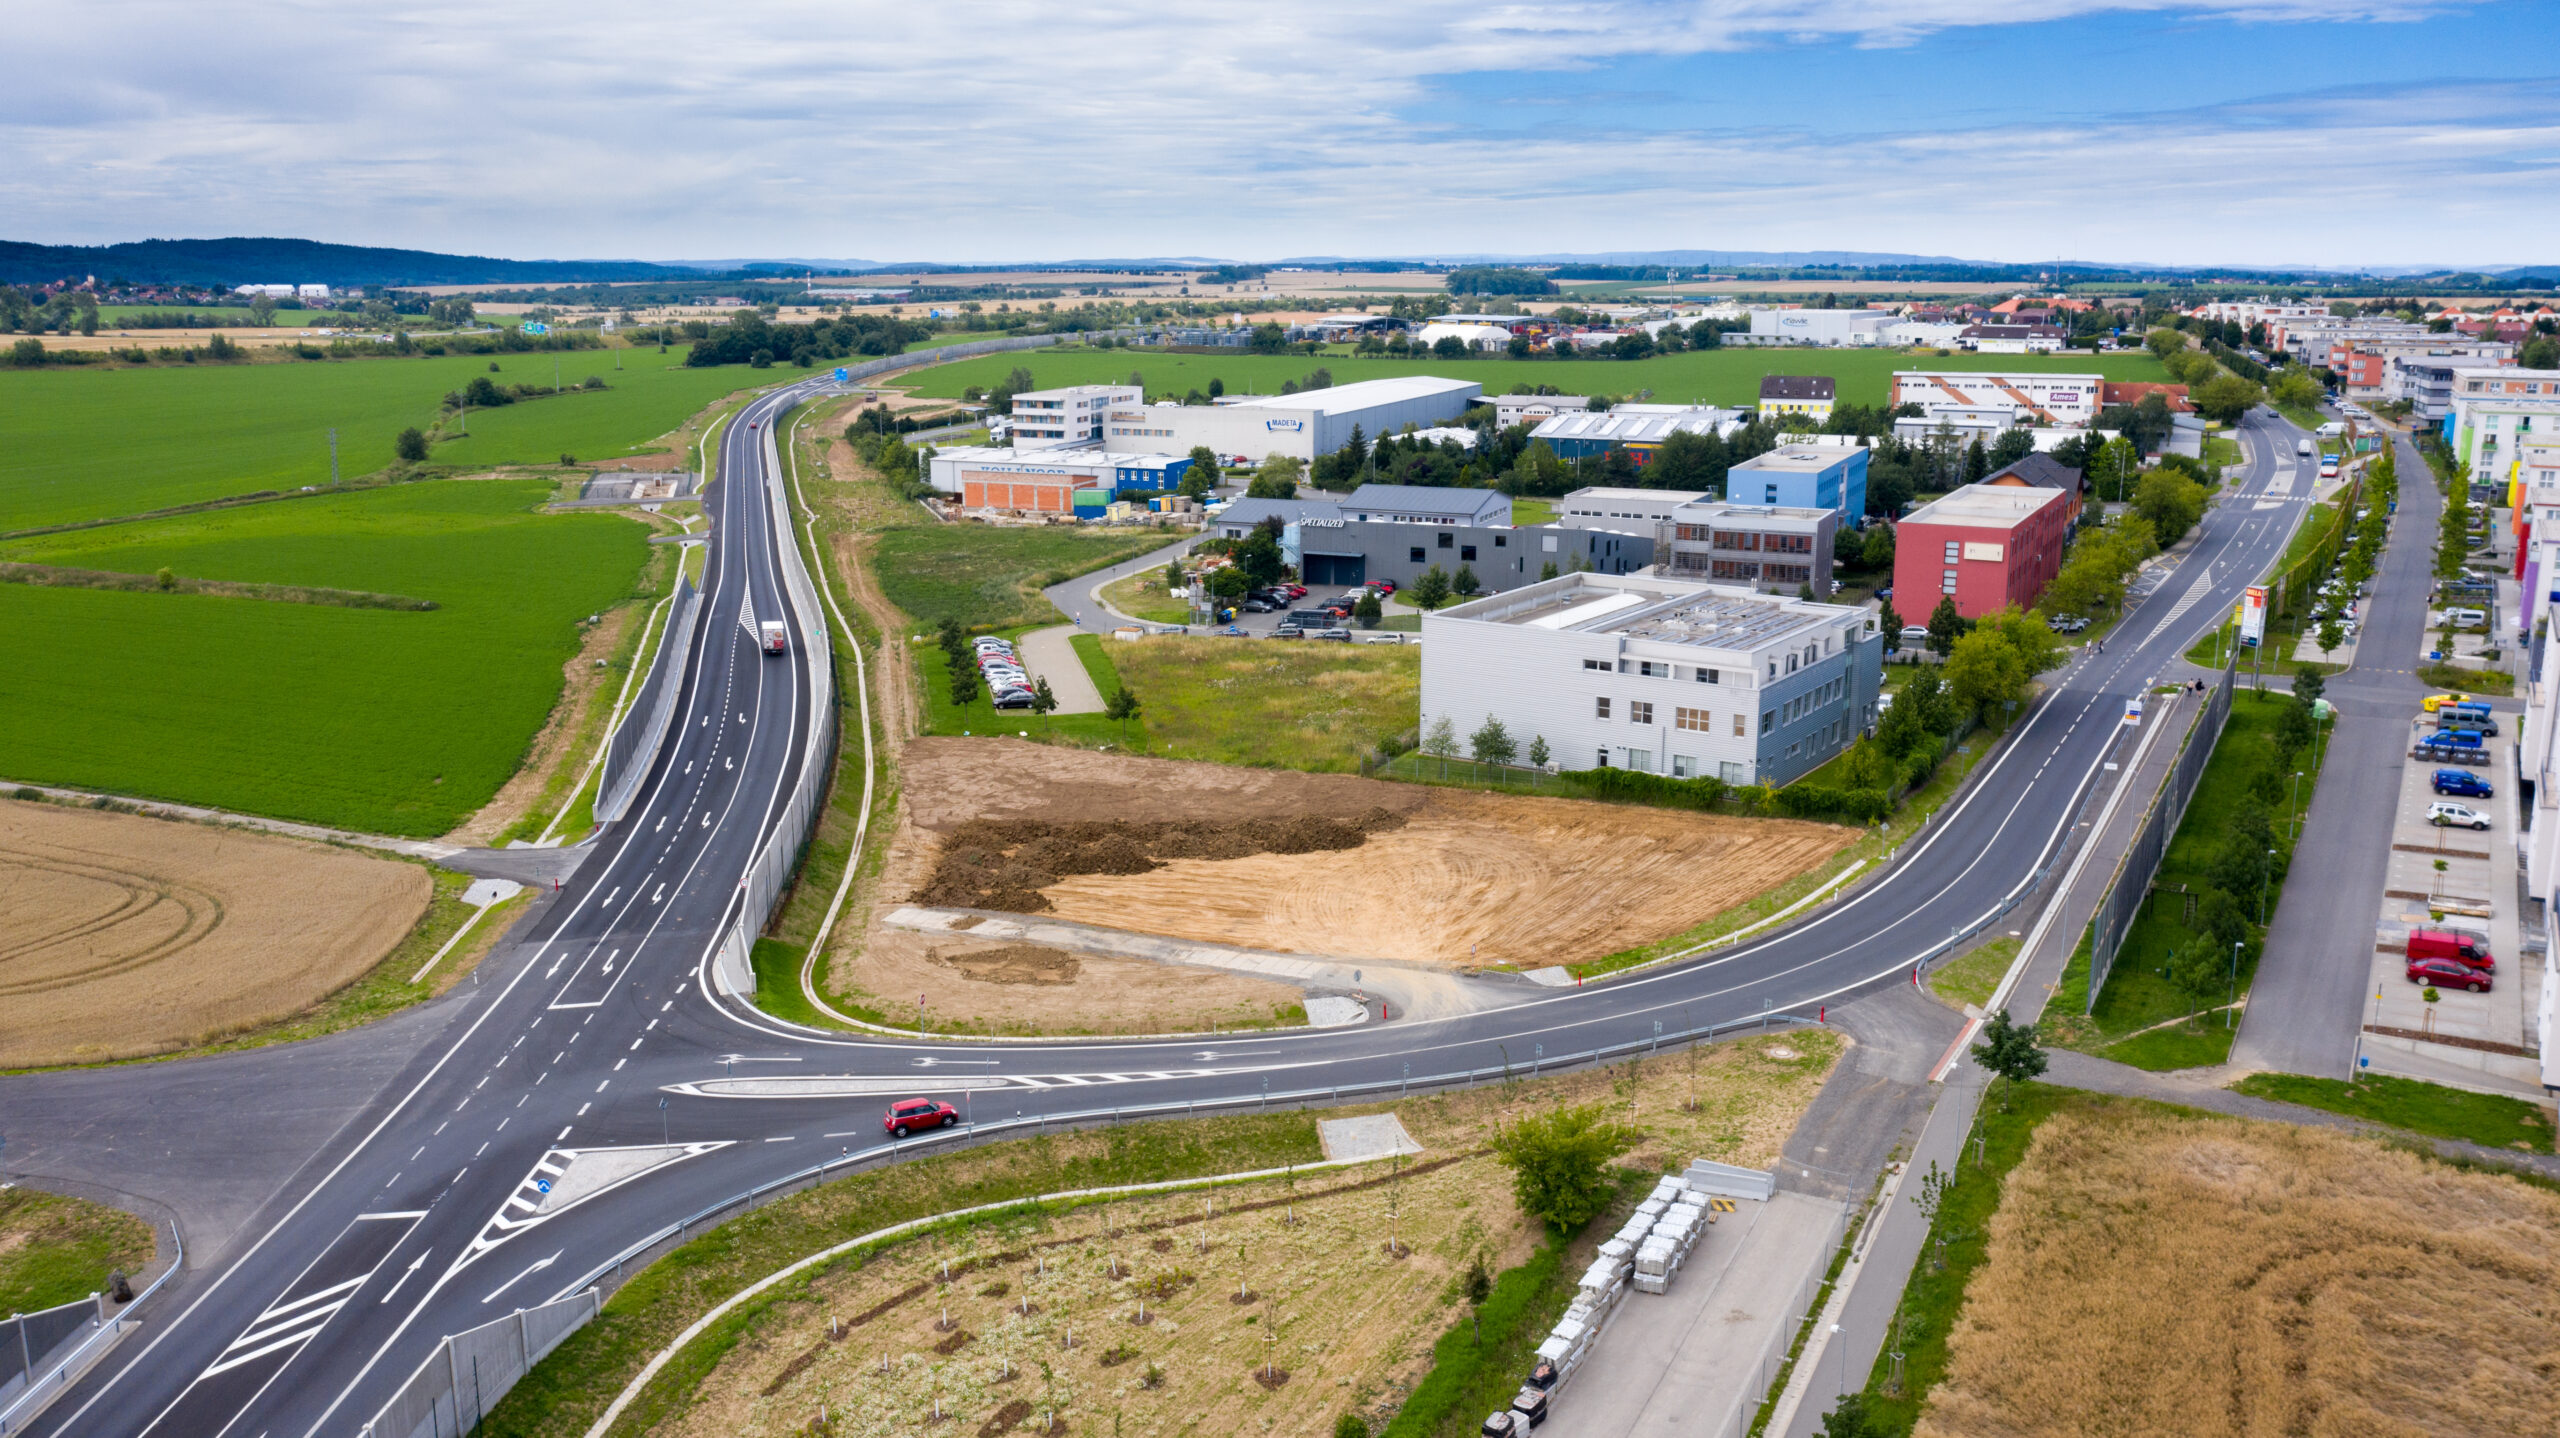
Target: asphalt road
426, 1213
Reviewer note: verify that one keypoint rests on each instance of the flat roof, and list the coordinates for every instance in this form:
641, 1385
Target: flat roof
1797, 386
1984, 506
1661, 611
1367, 393
1800, 458
1426, 499
1060, 458
1603, 492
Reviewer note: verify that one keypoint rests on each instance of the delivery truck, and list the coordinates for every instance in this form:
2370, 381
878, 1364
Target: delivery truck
776, 636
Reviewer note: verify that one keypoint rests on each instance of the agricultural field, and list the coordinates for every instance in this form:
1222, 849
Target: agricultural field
94, 443
56, 1250
1274, 1306
1724, 377
989, 577
2149, 1270
127, 935
389, 720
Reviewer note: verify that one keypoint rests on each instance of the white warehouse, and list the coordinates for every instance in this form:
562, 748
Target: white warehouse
1662, 675
1302, 425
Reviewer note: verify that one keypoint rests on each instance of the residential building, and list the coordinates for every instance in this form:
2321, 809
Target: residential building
2040, 398
1302, 425
1771, 547
1640, 429
1827, 328
2537, 765
1661, 675
2367, 369
2041, 471
1809, 395
1074, 415
1511, 409
1053, 481
2484, 434
2011, 339
1804, 476
1984, 546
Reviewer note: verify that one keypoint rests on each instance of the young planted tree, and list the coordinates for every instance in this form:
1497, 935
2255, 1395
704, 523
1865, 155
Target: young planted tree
1043, 701
1121, 706
964, 686
2010, 1051
1368, 611
1945, 627
1431, 590
1464, 583
1492, 744
1538, 750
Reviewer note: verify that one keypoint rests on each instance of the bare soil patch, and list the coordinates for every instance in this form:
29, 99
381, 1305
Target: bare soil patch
1016, 964
2152, 1273
1004, 864
122, 935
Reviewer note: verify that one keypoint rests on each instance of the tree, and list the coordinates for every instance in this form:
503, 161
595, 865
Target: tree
2293, 386
1043, 701
2014, 444
1464, 582
1976, 462
167, 579
1547, 570
1229, 583
1559, 1161
1945, 627
1368, 611
1431, 590
964, 685
2244, 864
1876, 551
1491, 743
2225, 397
1122, 706
1538, 750
2171, 502
2196, 969
2292, 733
1440, 737
2009, 1050
1890, 624
1259, 555
1202, 476
2308, 685
2330, 637
1852, 1418
411, 446
2111, 467
1984, 673
2219, 915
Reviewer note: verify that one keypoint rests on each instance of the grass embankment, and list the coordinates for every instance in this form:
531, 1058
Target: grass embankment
2467, 681
56, 1250
1725, 377
1357, 1329
2141, 1017
989, 577
72, 446
382, 720
1970, 977
2496, 1120
1143, 596
2148, 1269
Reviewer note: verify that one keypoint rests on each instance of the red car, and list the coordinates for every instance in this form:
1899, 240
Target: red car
915, 1113
1296, 591
1383, 586
2448, 974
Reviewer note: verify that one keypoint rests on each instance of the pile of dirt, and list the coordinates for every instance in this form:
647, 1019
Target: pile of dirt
1015, 964
1005, 863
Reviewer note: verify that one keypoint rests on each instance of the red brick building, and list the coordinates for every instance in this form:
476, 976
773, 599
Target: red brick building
1984, 546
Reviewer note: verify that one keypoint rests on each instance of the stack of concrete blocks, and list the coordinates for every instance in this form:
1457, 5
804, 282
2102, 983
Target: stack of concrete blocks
1673, 1234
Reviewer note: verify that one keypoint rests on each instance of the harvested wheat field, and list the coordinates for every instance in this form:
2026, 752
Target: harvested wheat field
1126, 1317
123, 935
1328, 864
2150, 1273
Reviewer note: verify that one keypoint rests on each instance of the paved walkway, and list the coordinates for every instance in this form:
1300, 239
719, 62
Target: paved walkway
1050, 654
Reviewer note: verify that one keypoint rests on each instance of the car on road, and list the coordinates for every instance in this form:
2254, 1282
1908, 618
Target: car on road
907, 1115
2455, 816
2447, 974
2463, 783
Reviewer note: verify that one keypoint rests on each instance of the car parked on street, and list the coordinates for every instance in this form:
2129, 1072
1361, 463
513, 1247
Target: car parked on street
908, 1115
2447, 974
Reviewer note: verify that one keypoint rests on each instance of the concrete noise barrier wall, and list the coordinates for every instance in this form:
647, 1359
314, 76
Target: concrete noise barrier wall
470, 1371
2125, 892
634, 749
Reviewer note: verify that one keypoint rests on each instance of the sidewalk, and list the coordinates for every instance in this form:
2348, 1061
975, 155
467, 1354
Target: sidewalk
1050, 654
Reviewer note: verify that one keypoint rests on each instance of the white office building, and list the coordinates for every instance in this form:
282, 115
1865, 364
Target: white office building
1661, 675
1826, 328
1302, 425
2030, 398
1074, 415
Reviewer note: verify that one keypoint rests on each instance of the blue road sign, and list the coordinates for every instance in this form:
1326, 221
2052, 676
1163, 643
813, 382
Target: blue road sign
842, 375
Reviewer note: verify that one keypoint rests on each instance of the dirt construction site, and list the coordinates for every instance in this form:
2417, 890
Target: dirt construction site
122, 935
1327, 865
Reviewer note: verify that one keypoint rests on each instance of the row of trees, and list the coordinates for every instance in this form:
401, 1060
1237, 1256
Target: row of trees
751, 339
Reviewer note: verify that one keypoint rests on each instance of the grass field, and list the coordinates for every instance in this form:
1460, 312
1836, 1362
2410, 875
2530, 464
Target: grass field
1143, 596
383, 720
1726, 377
92, 443
2420, 1107
1301, 705
989, 577
54, 1250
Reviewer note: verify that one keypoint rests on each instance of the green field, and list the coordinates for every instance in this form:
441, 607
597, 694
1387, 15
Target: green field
56, 1250
1726, 377
383, 720
94, 443
989, 577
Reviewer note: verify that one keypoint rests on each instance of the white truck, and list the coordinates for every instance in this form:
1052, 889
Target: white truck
776, 636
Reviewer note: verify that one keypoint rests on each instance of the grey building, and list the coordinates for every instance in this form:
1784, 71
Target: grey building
1774, 547
1662, 675
1343, 550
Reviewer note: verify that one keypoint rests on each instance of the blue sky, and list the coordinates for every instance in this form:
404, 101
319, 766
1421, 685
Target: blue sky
2336, 132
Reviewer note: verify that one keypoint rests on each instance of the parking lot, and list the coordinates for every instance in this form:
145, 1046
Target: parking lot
1264, 626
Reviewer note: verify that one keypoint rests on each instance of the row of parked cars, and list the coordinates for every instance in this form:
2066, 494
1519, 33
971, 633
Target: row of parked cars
1008, 683
1273, 599
2450, 959
2462, 729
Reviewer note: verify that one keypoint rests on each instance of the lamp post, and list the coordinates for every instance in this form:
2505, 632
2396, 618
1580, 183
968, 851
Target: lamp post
2235, 981
2264, 875
2296, 828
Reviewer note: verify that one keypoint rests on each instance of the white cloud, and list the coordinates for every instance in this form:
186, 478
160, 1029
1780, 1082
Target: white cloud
1009, 129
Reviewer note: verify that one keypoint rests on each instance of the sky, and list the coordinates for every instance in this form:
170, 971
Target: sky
2338, 133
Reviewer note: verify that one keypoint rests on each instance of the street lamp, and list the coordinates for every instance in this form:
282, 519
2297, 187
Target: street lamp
2296, 829
2264, 875
2235, 981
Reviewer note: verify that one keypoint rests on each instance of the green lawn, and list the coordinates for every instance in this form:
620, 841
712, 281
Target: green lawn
1287, 704
384, 720
91, 443
54, 1250
1727, 377
1970, 977
989, 577
1143, 596
2420, 1107
1526, 511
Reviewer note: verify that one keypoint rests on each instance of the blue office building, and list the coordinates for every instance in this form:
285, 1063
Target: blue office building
1805, 476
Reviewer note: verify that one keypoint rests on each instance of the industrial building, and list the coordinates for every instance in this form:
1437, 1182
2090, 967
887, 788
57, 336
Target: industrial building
1773, 547
1639, 429
1373, 504
1984, 546
1991, 339
1074, 415
1511, 409
1804, 476
1809, 395
2030, 398
1661, 675
1065, 482
1828, 328
1601, 506
1302, 426
1343, 550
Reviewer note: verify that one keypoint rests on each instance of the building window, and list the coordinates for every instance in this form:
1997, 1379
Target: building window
1651, 670
1502, 541
1600, 664
1683, 767
1951, 551
1697, 721
1599, 708
1447, 540
1604, 750
1467, 552
1729, 771
1947, 582
1639, 711
1414, 554
1768, 720
1640, 760
1710, 676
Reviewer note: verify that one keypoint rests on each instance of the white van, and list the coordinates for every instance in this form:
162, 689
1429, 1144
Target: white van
2305, 448
2461, 617
2331, 430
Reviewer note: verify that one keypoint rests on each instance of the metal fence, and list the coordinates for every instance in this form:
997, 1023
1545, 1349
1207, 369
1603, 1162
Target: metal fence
1774, 1352
634, 746
470, 1371
2131, 882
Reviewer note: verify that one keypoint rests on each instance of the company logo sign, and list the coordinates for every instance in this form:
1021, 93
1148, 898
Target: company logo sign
1287, 426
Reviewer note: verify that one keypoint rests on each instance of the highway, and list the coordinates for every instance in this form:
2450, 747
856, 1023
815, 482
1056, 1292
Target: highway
598, 1027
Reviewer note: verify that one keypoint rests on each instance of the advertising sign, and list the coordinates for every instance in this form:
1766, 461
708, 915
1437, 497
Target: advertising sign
2253, 615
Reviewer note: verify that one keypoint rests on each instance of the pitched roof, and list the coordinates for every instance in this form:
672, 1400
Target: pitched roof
2038, 470
1798, 386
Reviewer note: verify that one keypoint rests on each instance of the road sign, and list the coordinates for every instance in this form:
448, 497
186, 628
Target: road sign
542, 1185
2253, 615
843, 374
536, 327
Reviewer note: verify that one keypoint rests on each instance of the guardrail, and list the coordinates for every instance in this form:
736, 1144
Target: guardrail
633, 750
453, 1390
75, 1342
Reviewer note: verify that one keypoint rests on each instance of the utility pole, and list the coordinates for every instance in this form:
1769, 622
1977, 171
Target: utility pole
333, 455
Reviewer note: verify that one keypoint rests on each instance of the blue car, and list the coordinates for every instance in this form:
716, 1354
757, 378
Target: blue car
2464, 783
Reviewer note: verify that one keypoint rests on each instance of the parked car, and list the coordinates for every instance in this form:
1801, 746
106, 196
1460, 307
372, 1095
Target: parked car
1339, 635
1383, 586
2464, 783
1015, 698
2469, 950
2447, 974
1258, 606
907, 1115
1915, 634
2455, 816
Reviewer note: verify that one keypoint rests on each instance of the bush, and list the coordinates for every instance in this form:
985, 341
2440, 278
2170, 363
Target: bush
1560, 1163
1639, 787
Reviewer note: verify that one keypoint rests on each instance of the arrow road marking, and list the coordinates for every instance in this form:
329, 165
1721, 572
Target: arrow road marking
414, 1265
530, 1271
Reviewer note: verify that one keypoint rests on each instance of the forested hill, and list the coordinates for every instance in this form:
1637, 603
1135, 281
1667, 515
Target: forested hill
243, 260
